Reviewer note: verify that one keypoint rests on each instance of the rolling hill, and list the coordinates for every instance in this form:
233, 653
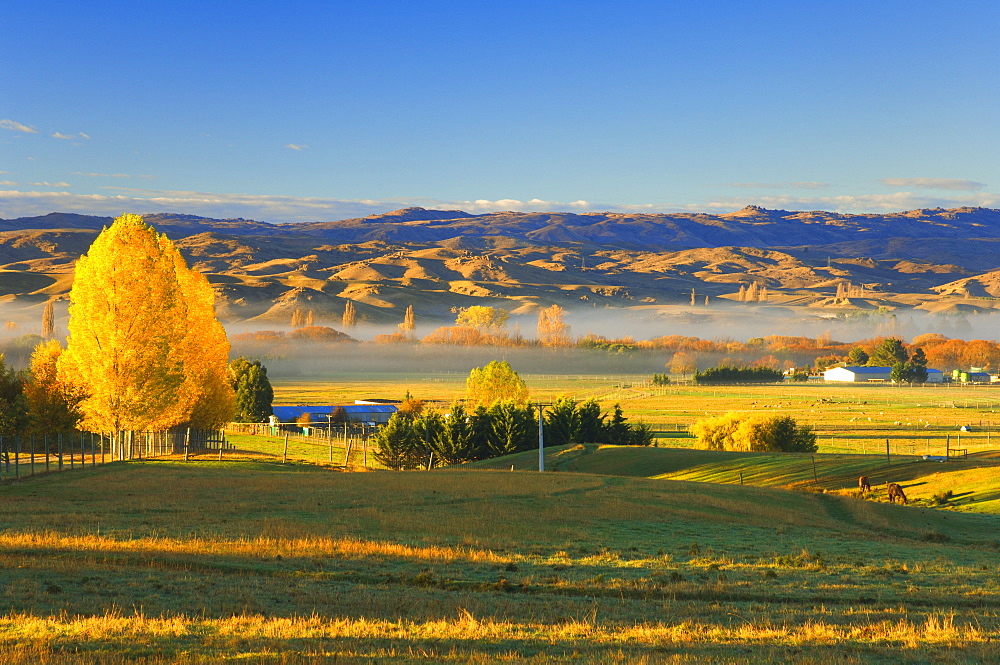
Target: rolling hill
939, 261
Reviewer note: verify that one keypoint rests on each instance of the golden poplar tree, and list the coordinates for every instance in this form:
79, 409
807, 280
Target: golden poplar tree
143, 339
409, 323
486, 319
494, 382
51, 404
206, 398
350, 318
552, 330
48, 319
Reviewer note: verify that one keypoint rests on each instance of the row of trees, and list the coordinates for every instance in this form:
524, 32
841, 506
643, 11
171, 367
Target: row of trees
418, 441
487, 326
34, 401
730, 374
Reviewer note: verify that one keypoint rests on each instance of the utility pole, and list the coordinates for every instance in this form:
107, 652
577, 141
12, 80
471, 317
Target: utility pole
541, 437
541, 433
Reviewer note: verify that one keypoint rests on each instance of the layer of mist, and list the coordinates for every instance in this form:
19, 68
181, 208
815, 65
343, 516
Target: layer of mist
722, 322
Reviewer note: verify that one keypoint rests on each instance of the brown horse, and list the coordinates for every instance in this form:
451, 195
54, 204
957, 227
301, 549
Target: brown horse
895, 492
864, 485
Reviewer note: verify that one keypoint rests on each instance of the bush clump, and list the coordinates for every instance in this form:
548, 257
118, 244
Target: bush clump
755, 433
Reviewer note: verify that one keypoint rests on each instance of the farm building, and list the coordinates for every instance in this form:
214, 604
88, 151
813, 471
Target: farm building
856, 374
971, 376
874, 374
362, 413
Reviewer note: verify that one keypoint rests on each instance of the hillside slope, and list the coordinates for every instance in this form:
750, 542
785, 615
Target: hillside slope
940, 261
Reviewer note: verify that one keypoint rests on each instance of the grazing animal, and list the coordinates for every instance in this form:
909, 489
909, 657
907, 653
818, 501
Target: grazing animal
864, 485
895, 492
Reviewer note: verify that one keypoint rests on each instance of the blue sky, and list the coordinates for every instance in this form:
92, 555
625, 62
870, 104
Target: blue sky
322, 110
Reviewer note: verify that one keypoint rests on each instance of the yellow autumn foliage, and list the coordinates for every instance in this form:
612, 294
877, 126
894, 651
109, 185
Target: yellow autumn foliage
145, 349
552, 330
51, 405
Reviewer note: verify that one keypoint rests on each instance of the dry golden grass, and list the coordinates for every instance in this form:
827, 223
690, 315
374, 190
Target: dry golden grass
200, 562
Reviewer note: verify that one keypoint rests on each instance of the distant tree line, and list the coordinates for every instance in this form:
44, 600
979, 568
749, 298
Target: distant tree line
724, 374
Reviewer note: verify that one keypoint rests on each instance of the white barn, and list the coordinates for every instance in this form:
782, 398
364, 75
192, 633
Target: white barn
856, 374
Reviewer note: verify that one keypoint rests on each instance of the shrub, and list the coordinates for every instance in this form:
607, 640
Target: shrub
398, 445
941, 498
756, 432
640, 434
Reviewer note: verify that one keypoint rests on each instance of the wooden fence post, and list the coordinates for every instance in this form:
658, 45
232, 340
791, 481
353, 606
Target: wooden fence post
187, 443
45, 442
17, 457
284, 453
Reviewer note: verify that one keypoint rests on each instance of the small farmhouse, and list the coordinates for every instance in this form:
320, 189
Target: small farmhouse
856, 374
361, 413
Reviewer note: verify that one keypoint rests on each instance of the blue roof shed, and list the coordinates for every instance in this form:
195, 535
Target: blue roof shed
368, 413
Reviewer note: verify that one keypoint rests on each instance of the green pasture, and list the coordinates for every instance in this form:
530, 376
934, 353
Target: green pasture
973, 481
847, 418
166, 561
307, 449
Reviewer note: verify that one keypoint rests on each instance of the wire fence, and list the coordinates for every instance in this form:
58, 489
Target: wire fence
340, 444
32, 455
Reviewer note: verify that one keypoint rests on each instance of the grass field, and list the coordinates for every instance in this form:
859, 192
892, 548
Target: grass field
847, 418
973, 481
164, 561
662, 554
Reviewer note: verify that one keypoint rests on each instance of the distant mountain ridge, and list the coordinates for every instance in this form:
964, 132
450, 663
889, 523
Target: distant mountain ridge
820, 263
752, 226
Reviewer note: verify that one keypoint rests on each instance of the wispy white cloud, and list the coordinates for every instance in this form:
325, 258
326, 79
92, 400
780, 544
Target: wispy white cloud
515, 205
70, 137
50, 184
109, 175
7, 183
954, 184
115, 200
878, 203
778, 185
15, 126
295, 146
